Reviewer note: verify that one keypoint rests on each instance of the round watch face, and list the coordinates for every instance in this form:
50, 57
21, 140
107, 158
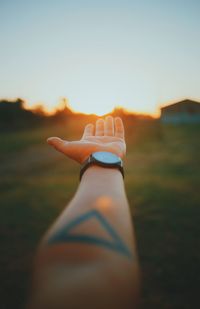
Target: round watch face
106, 157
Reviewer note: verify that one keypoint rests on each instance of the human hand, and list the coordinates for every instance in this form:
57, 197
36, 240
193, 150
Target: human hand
108, 136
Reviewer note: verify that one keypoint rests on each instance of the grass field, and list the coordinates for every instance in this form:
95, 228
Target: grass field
162, 181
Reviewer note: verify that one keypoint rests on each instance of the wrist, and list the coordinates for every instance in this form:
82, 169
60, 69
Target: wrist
99, 181
101, 172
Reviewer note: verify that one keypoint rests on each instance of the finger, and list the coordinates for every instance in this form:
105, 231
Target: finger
89, 130
99, 127
119, 127
109, 126
57, 143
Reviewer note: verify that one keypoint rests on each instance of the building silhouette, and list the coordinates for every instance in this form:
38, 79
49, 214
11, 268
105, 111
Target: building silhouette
186, 111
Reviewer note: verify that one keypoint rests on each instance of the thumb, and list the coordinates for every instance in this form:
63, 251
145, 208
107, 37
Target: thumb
56, 142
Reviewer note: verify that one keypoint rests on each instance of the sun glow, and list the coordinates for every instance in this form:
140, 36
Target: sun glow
98, 109
52, 107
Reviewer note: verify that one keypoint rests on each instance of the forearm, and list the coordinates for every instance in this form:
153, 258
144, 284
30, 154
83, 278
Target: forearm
94, 233
99, 208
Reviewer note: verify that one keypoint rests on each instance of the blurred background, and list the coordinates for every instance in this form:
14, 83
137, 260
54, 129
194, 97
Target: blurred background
64, 64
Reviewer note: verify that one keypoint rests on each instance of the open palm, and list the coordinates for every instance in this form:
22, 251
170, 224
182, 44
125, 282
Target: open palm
107, 135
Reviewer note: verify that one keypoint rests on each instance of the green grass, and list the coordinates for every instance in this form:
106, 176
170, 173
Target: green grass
162, 181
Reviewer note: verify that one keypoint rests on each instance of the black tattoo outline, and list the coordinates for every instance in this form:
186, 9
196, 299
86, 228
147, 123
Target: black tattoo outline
64, 234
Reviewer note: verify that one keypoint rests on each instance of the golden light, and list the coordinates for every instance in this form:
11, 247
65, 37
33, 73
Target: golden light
51, 108
104, 202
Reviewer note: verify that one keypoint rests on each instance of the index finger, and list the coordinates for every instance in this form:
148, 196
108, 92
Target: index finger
119, 127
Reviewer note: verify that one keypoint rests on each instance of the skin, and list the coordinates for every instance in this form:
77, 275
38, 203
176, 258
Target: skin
88, 257
107, 135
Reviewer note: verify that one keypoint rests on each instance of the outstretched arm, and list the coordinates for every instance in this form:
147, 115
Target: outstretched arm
88, 258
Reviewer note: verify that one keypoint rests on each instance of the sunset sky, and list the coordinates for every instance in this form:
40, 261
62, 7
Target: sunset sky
99, 54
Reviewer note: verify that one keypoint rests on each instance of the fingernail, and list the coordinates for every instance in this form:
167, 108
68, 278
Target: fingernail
49, 140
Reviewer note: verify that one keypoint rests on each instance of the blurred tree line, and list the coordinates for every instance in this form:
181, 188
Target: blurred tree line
14, 115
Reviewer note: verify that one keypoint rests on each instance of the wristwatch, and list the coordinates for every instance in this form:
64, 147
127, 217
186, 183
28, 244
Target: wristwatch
103, 159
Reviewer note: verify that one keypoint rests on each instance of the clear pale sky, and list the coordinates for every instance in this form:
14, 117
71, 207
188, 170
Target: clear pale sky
98, 54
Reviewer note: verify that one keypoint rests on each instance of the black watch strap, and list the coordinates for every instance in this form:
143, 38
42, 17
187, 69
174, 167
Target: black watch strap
91, 162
